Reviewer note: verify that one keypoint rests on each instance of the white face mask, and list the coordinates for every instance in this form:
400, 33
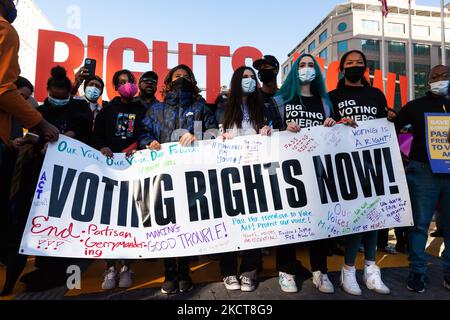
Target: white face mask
307, 75
440, 88
248, 85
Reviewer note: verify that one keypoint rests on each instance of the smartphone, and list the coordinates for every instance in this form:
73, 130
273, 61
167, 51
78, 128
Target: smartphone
90, 65
31, 137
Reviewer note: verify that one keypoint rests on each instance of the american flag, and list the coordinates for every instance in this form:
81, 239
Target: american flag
384, 8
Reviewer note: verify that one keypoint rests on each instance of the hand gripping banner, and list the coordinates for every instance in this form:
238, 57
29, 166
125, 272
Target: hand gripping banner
249, 192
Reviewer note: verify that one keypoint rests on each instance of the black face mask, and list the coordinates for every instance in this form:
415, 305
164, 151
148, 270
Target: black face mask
182, 84
148, 92
266, 75
354, 74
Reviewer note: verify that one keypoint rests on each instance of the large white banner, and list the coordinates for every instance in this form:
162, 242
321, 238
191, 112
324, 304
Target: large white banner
250, 192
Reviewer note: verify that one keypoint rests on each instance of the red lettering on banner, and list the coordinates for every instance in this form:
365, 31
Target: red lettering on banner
51, 231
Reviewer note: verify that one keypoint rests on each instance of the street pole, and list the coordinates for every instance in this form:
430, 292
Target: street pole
444, 52
383, 53
410, 57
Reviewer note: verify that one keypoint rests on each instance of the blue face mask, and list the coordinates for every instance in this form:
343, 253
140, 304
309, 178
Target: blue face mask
11, 14
248, 85
92, 93
58, 102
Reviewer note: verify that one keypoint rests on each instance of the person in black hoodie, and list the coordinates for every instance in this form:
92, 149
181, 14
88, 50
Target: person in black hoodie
117, 129
356, 100
426, 188
72, 118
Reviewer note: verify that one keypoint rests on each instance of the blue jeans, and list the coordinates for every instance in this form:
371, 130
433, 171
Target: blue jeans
354, 241
427, 190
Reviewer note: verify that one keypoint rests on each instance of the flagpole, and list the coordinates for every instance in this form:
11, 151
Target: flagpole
383, 52
410, 56
444, 52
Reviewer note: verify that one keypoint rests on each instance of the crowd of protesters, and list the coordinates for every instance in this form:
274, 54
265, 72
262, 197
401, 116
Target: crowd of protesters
135, 120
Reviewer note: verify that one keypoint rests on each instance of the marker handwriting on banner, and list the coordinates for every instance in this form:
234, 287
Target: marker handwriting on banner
41, 185
371, 137
302, 144
179, 202
395, 208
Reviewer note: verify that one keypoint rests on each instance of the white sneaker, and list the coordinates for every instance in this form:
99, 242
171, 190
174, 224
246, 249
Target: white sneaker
247, 284
125, 277
287, 283
349, 283
231, 283
110, 280
322, 282
372, 278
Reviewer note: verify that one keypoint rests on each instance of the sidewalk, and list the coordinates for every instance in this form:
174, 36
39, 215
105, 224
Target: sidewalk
208, 285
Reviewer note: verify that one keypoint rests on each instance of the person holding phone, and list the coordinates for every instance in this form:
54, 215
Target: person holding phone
93, 88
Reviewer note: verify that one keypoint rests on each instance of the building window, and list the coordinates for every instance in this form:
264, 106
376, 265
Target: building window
342, 27
447, 54
324, 54
422, 50
370, 25
398, 28
421, 31
286, 70
342, 46
312, 46
421, 72
323, 36
397, 64
396, 48
370, 45
372, 50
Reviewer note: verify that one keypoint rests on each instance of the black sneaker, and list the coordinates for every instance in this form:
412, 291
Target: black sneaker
170, 286
416, 283
446, 283
185, 284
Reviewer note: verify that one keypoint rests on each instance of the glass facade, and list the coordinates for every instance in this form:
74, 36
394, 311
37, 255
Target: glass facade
447, 55
398, 28
342, 47
342, 27
371, 48
397, 65
324, 54
370, 25
312, 46
323, 36
422, 66
421, 31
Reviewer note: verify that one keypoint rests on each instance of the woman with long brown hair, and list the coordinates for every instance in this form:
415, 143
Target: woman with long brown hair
245, 115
